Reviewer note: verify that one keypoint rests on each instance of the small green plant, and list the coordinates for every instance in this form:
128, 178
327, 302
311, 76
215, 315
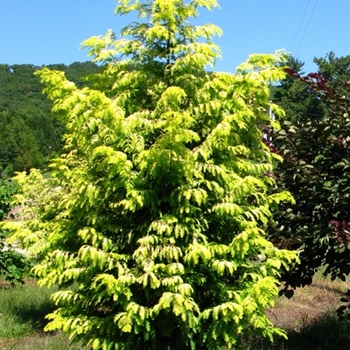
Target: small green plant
13, 265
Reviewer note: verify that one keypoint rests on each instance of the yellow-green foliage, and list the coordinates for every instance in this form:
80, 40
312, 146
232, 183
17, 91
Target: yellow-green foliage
156, 212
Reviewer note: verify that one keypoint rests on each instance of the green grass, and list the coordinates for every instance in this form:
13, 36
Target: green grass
23, 310
22, 319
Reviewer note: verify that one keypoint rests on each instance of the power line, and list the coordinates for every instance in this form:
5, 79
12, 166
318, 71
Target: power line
301, 22
306, 28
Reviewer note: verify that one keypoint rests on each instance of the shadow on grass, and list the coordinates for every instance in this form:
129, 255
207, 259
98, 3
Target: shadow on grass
34, 313
324, 333
24, 309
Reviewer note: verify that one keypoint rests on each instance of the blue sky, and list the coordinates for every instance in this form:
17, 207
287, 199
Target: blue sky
50, 31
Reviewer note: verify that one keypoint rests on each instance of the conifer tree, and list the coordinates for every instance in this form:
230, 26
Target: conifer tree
155, 216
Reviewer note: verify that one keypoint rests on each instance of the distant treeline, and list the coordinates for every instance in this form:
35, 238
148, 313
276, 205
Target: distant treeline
30, 134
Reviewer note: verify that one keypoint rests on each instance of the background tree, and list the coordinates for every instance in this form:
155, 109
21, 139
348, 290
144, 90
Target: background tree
336, 70
30, 133
314, 145
163, 197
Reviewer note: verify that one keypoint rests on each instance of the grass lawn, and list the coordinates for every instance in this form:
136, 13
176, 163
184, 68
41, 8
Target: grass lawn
309, 318
22, 319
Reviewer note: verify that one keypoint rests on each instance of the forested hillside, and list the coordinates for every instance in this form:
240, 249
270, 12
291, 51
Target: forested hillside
29, 132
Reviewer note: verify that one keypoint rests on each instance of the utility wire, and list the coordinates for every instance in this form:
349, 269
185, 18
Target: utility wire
301, 22
306, 28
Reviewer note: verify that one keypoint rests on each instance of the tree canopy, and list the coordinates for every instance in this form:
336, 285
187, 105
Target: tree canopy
313, 141
153, 224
